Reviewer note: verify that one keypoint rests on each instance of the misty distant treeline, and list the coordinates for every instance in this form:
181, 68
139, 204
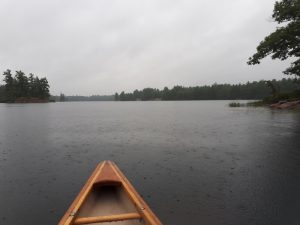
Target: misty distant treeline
74, 98
21, 86
90, 98
250, 90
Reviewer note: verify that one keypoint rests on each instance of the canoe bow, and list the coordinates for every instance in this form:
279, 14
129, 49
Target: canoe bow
108, 174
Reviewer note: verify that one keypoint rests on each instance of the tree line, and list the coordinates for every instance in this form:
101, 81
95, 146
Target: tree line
250, 90
76, 98
22, 86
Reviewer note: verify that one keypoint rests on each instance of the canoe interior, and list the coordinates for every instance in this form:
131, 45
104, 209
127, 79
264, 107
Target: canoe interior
109, 200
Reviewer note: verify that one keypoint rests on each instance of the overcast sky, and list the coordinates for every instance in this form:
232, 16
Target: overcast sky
100, 47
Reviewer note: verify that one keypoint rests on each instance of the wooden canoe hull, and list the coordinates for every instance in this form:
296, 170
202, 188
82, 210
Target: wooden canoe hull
109, 198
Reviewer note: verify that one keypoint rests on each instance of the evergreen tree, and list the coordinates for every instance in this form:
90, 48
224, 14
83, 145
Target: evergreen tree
62, 97
9, 85
116, 97
43, 88
21, 86
31, 86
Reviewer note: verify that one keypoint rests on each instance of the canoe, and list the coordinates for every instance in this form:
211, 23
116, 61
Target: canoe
108, 198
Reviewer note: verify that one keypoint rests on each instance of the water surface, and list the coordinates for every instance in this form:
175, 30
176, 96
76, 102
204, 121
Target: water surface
194, 162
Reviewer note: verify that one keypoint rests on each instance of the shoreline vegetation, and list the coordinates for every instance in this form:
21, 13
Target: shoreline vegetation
281, 44
285, 104
276, 101
279, 94
24, 89
255, 90
283, 93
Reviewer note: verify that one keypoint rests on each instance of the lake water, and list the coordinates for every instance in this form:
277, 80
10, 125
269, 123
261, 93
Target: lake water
194, 162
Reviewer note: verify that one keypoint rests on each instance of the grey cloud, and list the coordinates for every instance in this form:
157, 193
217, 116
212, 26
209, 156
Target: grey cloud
99, 47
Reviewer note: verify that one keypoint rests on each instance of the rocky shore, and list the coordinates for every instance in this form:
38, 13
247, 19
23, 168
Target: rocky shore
31, 100
286, 105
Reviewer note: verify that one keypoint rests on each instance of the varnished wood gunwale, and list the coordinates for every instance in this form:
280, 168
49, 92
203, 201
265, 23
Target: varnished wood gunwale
111, 218
69, 216
141, 205
143, 209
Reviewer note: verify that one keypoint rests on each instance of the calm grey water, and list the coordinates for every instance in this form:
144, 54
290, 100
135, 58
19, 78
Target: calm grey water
194, 162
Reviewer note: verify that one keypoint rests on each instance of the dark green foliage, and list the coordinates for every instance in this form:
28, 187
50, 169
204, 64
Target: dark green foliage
271, 85
290, 96
9, 90
42, 87
236, 104
21, 86
253, 90
285, 41
62, 97
116, 97
2, 93
257, 104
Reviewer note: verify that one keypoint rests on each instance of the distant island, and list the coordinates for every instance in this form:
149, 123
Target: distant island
24, 89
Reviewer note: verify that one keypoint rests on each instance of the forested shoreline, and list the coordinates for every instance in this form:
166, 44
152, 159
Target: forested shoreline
22, 88
250, 90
